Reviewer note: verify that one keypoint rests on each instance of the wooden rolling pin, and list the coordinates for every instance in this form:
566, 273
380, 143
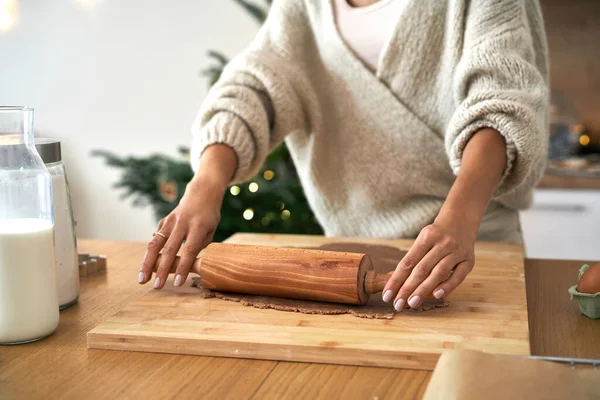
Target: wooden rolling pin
295, 273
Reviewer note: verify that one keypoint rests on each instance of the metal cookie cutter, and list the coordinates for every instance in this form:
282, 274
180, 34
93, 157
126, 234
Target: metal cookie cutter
91, 264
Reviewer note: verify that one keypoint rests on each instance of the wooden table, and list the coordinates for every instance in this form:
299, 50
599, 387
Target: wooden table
552, 181
62, 367
556, 327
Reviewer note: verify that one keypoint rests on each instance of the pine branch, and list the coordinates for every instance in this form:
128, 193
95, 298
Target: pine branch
184, 151
109, 158
219, 57
213, 72
259, 13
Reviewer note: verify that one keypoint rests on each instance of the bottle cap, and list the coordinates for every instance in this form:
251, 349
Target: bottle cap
49, 149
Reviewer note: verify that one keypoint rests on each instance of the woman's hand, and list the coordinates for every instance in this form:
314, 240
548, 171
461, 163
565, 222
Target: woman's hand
438, 261
447, 246
194, 221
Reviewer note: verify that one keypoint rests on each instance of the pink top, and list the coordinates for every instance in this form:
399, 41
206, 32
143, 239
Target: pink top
366, 30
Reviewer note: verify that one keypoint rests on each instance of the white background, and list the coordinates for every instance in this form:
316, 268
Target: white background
120, 75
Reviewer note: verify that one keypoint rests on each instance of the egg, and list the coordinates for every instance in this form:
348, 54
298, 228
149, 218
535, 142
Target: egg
590, 280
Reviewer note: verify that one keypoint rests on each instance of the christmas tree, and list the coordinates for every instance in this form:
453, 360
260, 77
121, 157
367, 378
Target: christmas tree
272, 202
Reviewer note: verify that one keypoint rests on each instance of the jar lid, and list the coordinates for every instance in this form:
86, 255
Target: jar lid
49, 149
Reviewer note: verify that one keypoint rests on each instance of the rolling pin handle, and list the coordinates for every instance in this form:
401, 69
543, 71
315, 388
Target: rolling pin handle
374, 282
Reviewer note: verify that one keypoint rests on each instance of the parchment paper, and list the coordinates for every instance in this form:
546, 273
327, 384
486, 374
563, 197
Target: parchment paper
471, 375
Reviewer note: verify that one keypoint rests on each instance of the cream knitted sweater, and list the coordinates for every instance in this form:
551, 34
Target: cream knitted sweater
377, 153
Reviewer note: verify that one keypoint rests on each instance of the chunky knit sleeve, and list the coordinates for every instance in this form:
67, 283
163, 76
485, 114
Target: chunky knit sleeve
501, 82
257, 100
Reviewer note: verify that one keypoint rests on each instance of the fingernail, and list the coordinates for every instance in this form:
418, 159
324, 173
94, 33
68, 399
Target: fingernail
141, 277
157, 283
399, 304
387, 296
414, 301
438, 294
178, 280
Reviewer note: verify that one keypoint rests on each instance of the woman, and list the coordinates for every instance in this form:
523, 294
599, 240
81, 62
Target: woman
423, 119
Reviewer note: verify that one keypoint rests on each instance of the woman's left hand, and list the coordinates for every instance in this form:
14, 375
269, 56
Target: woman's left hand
438, 261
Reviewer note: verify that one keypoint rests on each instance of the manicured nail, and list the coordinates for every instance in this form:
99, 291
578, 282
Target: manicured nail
141, 277
414, 301
399, 304
387, 296
438, 294
178, 280
157, 283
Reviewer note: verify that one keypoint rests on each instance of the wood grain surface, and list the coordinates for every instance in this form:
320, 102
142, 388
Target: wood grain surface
294, 273
487, 312
557, 328
61, 366
550, 181
318, 381
328, 276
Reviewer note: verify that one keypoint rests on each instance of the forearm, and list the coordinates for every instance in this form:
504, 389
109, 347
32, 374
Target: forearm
218, 164
483, 164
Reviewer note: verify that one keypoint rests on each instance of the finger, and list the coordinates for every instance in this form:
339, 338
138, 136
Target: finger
439, 274
404, 268
420, 273
207, 239
154, 247
460, 273
189, 253
168, 255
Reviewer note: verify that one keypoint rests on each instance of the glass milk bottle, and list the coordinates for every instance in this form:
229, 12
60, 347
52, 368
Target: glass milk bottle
67, 262
28, 294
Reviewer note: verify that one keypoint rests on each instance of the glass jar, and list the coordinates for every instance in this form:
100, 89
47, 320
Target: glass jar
28, 294
65, 241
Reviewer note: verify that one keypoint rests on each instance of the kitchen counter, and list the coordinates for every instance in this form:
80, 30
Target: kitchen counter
553, 181
61, 366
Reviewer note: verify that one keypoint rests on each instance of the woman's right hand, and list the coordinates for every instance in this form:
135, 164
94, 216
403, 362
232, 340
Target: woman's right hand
193, 222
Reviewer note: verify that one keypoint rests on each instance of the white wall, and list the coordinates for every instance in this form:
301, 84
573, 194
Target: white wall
120, 75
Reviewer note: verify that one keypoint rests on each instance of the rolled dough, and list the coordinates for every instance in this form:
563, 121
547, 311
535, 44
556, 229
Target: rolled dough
384, 258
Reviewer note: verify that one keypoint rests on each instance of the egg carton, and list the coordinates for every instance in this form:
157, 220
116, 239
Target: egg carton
589, 304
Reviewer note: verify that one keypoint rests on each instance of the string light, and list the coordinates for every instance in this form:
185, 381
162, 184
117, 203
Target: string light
234, 190
281, 205
265, 221
584, 140
268, 175
285, 214
253, 187
248, 214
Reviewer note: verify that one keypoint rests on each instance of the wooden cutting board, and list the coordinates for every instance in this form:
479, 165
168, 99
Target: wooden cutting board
487, 312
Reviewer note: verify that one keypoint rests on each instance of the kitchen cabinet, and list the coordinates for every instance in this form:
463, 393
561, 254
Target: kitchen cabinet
563, 224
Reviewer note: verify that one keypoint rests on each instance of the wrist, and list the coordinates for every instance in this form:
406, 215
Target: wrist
458, 220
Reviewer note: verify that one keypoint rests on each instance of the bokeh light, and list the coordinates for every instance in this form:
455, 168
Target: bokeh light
248, 214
